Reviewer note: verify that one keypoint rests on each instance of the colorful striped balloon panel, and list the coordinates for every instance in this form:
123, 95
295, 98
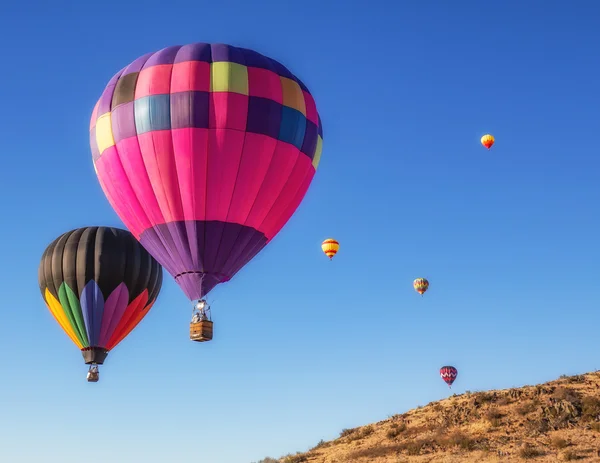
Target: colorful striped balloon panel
205, 151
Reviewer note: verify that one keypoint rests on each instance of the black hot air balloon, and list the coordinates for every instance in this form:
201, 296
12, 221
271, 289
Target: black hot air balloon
98, 283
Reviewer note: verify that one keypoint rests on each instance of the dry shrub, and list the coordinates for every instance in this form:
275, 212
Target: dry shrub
414, 448
364, 432
298, 458
590, 410
321, 445
485, 397
493, 415
573, 379
595, 427
567, 394
376, 452
528, 452
395, 430
526, 408
540, 426
503, 401
461, 440
348, 432
559, 443
570, 455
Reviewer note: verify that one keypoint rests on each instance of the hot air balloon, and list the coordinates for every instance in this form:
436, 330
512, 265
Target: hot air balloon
487, 141
330, 247
98, 283
448, 374
205, 151
421, 285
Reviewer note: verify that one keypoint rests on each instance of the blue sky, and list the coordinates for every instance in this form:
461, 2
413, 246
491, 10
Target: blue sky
305, 347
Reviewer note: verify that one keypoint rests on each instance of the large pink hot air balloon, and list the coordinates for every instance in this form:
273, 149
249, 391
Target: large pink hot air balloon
205, 151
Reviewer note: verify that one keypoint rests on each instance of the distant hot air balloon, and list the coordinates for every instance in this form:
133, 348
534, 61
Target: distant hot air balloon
487, 140
448, 374
98, 283
330, 247
205, 151
421, 285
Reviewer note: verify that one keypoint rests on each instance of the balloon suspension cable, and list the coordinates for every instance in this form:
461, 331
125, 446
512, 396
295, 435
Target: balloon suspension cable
201, 311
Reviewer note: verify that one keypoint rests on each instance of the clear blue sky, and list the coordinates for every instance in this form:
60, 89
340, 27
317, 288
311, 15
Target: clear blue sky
305, 347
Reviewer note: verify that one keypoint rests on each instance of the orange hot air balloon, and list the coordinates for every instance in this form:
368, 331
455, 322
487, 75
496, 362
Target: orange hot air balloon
487, 140
421, 285
330, 247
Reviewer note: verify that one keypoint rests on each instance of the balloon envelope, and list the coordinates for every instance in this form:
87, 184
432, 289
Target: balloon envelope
98, 283
330, 247
448, 374
205, 151
421, 285
487, 140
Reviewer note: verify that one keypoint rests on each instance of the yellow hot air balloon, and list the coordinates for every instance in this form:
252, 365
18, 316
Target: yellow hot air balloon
421, 285
487, 140
330, 247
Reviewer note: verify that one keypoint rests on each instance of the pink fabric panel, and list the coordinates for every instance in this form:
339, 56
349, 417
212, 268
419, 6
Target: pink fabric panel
155, 80
159, 159
311, 108
265, 84
225, 149
114, 308
228, 111
191, 159
286, 196
258, 151
120, 192
287, 213
142, 191
282, 164
190, 76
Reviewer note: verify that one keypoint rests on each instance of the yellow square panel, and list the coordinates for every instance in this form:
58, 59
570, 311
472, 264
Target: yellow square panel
228, 77
104, 133
318, 151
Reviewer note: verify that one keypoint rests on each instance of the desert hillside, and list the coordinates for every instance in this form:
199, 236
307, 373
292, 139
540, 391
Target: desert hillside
556, 421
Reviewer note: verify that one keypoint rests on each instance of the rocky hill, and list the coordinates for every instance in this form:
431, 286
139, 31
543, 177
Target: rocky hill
552, 422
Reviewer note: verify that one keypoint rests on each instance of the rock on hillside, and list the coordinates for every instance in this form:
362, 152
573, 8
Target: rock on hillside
556, 421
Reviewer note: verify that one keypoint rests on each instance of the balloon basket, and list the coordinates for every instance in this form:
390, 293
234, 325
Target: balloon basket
201, 331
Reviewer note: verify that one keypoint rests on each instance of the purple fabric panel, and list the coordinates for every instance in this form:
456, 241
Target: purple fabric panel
190, 109
123, 122
282, 70
222, 52
137, 65
92, 306
194, 52
221, 250
164, 56
247, 244
256, 60
264, 116
197, 285
309, 146
104, 104
320, 127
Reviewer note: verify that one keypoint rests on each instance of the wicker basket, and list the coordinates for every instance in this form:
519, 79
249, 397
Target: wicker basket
201, 331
